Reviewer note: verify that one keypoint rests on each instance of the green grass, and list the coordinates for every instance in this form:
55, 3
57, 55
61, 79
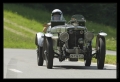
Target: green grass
19, 29
111, 34
109, 59
34, 19
29, 23
16, 41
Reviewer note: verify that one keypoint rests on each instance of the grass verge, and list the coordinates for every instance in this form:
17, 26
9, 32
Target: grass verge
109, 59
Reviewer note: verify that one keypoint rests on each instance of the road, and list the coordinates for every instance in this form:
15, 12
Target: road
22, 63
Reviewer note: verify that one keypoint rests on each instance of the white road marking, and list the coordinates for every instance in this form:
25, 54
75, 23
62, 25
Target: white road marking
15, 70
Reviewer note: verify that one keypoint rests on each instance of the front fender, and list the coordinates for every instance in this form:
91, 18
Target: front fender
48, 35
39, 39
103, 34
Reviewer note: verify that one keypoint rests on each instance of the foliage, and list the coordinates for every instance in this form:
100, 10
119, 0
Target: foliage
104, 13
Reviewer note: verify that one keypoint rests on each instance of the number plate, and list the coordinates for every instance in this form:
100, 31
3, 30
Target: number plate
76, 56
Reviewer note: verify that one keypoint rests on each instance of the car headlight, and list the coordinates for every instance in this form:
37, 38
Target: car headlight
89, 36
81, 32
64, 36
70, 31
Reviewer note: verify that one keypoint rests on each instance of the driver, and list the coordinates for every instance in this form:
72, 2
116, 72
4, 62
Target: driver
74, 21
55, 15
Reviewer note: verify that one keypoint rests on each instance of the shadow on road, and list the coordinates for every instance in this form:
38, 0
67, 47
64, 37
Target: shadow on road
79, 67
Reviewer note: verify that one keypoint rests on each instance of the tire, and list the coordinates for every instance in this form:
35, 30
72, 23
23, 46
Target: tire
39, 56
88, 59
49, 53
101, 53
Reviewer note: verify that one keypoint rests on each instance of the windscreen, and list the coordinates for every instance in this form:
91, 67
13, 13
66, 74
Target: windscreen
78, 17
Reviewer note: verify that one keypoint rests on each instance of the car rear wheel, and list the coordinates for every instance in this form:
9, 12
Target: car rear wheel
88, 58
39, 56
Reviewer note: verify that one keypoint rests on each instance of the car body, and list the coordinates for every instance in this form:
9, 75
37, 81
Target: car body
70, 41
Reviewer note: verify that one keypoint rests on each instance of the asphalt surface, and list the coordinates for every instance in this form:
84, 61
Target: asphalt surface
22, 63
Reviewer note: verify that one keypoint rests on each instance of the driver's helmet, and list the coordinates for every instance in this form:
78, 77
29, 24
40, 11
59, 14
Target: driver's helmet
57, 15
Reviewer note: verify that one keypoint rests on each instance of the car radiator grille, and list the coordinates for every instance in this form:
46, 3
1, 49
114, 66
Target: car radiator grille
73, 39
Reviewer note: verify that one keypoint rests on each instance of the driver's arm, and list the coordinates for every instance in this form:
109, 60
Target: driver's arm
45, 27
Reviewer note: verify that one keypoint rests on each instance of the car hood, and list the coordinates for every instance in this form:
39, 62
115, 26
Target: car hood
64, 28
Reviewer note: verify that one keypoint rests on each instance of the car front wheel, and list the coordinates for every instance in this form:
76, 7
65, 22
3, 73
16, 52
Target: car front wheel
49, 53
101, 53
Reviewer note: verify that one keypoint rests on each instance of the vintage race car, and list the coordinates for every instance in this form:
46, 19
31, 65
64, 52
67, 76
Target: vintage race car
70, 41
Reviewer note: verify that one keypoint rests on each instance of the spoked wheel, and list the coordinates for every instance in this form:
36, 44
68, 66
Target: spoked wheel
101, 53
88, 58
39, 56
49, 53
